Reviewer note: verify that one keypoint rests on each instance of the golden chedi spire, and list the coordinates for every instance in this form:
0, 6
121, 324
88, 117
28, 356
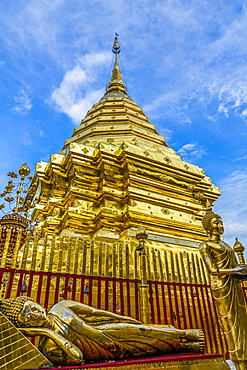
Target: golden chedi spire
116, 82
115, 172
116, 117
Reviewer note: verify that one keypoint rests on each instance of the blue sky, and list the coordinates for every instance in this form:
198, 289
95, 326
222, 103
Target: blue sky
184, 62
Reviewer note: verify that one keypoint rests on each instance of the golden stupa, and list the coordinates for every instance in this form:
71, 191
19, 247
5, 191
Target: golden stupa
115, 173
116, 223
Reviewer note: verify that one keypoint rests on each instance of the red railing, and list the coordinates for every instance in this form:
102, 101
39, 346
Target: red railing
111, 294
187, 306
181, 305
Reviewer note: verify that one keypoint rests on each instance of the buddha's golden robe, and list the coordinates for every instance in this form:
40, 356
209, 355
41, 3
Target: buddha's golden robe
105, 335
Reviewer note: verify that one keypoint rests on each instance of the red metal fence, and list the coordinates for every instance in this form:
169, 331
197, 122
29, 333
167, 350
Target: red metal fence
111, 294
187, 306
181, 305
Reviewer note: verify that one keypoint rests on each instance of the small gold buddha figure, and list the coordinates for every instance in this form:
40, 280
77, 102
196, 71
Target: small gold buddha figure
72, 332
226, 274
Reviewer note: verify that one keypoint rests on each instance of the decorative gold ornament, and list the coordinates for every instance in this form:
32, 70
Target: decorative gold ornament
13, 175
239, 249
9, 199
24, 170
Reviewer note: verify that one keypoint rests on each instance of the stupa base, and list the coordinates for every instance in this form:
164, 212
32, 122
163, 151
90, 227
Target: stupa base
189, 361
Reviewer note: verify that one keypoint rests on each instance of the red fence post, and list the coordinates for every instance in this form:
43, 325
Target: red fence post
121, 298
10, 282
137, 300
106, 294
151, 303
73, 288
20, 283
128, 298
57, 289
164, 304
90, 291
99, 294
30, 283
174, 285
182, 298
157, 302
39, 288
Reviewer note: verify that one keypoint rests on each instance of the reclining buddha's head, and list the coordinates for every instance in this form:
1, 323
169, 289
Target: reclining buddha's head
23, 311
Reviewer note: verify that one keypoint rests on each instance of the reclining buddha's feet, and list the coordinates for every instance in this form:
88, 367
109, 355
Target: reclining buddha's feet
194, 335
194, 340
192, 346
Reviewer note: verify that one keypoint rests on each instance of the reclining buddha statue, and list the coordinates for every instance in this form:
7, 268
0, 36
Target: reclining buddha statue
72, 332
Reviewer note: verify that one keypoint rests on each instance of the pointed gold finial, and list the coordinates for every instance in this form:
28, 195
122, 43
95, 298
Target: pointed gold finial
116, 47
24, 171
239, 249
116, 84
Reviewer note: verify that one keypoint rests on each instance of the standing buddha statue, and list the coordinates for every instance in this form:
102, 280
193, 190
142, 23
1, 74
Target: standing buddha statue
226, 275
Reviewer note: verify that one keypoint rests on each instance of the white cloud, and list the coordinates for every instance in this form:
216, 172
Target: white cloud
26, 139
170, 97
191, 42
78, 91
191, 152
22, 103
243, 115
232, 207
41, 133
170, 105
33, 24
240, 158
206, 62
166, 133
230, 89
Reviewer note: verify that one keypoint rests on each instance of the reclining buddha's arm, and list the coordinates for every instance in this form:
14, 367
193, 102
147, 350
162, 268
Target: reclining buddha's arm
92, 315
59, 347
